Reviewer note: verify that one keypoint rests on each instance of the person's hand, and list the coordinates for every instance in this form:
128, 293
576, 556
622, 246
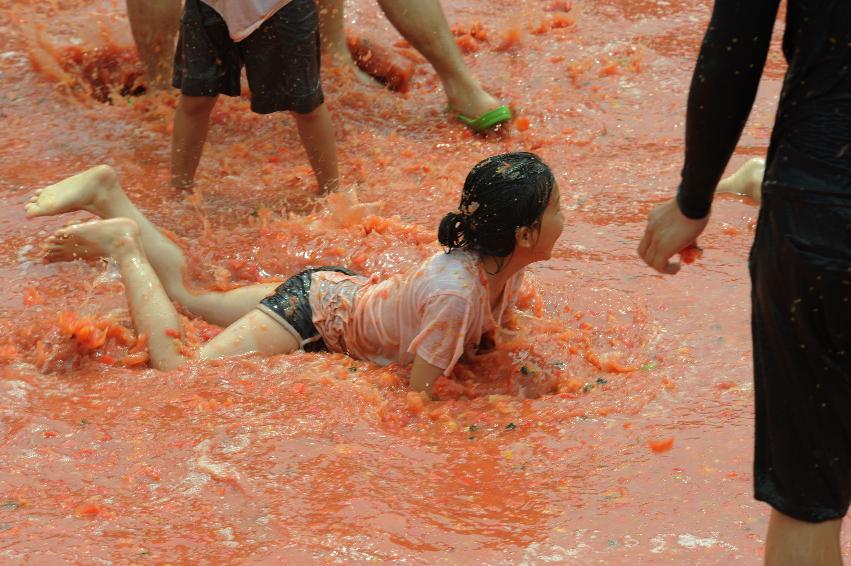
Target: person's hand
668, 232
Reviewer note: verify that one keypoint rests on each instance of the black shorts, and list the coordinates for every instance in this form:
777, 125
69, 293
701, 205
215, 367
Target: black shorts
290, 305
801, 272
281, 58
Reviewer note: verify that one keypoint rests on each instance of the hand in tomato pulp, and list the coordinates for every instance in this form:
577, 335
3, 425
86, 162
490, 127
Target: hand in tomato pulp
668, 232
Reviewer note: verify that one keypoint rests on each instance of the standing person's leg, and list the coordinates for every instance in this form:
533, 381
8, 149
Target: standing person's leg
797, 543
333, 38
283, 67
316, 132
151, 309
191, 123
424, 25
331, 33
97, 191
154, 24
206, 63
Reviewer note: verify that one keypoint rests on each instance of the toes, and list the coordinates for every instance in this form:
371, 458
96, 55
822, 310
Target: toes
59, 238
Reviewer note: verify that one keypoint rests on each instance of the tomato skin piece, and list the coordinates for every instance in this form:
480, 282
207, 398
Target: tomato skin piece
691, 254
87, 510
559, 21
512, 39
135, 359
660, 446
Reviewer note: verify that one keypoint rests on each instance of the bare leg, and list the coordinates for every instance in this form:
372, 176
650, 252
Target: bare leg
424, 25
256, 332
333, 39
796, 543
151, 309
317, 136
154, 24
191, 122
747, 180
97, 191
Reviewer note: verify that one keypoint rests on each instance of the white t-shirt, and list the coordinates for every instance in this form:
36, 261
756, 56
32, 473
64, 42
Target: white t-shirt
438, 311
244, 16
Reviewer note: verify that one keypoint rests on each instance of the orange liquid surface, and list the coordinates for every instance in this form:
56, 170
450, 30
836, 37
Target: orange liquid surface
615, 429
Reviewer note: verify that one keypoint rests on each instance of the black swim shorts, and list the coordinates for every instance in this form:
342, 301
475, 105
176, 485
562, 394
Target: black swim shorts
801, 272
281, 58
290, 305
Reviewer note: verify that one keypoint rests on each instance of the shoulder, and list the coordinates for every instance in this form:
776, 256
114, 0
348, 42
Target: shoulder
456, 272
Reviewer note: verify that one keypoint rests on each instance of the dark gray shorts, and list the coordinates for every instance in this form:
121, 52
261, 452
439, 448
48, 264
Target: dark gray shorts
801, 272
290, 305
281, 58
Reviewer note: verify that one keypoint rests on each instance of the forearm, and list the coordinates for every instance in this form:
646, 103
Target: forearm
723, 89
423, 376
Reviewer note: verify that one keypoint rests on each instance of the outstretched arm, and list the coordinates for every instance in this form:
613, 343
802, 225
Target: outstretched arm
723, 89
722, 92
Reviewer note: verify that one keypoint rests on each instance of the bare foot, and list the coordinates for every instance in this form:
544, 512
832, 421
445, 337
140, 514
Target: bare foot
93, 240
747, 180
753, 172
83, 191
471, 100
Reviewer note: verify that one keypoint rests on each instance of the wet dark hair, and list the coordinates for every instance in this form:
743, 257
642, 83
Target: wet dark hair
501, 194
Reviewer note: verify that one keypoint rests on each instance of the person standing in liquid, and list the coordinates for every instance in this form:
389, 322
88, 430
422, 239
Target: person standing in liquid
154, 25
277, 42
424, 25
800, 263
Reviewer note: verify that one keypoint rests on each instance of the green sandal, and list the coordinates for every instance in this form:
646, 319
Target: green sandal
481, 124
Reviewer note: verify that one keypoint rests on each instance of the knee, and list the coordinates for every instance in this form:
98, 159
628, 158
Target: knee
197, 105
313, 116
